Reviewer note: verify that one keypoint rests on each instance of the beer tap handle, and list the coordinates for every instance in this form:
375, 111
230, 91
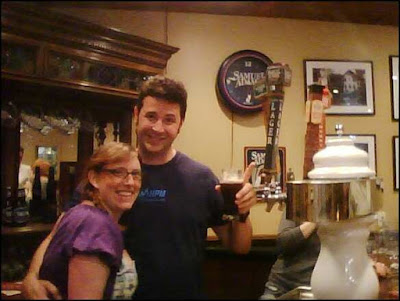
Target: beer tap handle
270, 205
270, 91
281, 205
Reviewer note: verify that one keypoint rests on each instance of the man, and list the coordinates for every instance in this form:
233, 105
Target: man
167, 228
298, 247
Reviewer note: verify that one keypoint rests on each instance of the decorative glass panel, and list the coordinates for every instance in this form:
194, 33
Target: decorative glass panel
70, 68
18, 58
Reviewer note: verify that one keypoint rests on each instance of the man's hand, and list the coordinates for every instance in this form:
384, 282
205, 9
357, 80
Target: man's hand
35, 289
307, 228
237, 236
246, 197
381, 269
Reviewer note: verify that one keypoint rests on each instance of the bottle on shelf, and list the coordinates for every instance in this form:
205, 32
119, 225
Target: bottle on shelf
50, 208
7, 210
35, 204
21, 210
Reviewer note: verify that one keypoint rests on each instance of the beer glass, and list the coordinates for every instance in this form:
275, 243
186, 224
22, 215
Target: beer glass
231, 182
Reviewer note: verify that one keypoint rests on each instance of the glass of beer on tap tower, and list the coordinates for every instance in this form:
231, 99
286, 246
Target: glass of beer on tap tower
231, 182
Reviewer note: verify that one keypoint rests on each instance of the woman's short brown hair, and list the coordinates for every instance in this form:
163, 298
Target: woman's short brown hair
109, 153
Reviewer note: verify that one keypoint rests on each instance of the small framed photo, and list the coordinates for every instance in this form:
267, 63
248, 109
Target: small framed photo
394, 85
350, 82
366, 143
257, 154
396, 162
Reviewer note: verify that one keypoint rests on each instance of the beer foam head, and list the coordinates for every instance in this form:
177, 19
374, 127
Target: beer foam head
232, 176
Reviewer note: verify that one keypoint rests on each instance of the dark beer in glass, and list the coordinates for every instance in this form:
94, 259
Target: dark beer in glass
231, 182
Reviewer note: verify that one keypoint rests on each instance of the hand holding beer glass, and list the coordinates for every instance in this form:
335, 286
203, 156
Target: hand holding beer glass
231, 182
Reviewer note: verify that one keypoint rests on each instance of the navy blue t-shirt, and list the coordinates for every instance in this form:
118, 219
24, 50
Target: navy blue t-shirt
167, 228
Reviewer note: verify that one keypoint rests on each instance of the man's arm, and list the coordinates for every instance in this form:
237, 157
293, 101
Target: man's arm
237, 235
32, 287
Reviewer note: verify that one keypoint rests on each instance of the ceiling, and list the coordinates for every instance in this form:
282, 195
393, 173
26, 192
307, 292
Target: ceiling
363, 12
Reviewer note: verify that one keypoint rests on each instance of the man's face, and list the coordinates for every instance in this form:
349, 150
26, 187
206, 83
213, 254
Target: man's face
157, 125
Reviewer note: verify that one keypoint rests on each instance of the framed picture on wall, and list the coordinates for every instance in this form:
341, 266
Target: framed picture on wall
394, 85
257, 154
396, 162
350, 82
366, 143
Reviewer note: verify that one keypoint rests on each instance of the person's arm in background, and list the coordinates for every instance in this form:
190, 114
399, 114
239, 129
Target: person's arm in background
308, 228
290, 237
32, 287
381, 269
237, 235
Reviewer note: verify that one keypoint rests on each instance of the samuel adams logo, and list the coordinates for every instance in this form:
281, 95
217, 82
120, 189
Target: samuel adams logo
236, 78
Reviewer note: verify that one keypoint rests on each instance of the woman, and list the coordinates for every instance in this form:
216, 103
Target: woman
85, 251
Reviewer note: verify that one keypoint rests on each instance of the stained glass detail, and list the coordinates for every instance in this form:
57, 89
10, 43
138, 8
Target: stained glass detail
18, 58
70, 68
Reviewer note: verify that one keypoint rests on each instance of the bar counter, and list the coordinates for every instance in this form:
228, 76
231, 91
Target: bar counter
227, 275
231, 276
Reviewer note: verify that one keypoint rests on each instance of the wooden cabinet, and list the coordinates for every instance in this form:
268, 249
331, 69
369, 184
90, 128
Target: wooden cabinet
41, 45
53, 62
18, 245
229, 276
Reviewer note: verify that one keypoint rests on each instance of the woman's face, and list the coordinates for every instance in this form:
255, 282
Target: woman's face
117, 189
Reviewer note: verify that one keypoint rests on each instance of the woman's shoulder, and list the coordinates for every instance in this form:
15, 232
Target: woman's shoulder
83, 209
91, 229
90, 217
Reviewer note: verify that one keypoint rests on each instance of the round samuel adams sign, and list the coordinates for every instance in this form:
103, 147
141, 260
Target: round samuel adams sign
236, 78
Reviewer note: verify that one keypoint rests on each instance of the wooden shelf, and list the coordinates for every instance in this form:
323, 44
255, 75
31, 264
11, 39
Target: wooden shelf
29, 228
272, 237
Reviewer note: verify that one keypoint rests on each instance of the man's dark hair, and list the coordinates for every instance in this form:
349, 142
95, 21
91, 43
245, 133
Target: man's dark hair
165, 88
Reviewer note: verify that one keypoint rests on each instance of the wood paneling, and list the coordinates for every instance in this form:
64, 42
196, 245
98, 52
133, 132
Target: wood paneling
364, 12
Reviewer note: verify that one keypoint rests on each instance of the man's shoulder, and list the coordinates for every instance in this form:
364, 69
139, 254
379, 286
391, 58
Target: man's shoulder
189, 164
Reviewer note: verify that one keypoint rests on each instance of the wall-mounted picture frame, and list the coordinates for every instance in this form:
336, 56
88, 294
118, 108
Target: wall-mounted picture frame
365, 142
394, 85
395, 143
257, 154
350, 82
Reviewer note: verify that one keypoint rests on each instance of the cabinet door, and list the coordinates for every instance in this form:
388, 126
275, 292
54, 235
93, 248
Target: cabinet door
18, 58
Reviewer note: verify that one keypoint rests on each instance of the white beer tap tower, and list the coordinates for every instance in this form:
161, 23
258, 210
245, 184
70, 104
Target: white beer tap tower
340, 196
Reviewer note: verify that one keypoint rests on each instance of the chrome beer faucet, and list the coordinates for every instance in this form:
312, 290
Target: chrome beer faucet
270, 92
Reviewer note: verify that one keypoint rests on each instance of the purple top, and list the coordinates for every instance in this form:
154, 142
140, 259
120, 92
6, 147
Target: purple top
88, 230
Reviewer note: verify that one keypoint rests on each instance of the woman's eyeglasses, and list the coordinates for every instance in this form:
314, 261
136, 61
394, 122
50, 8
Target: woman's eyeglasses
122, 173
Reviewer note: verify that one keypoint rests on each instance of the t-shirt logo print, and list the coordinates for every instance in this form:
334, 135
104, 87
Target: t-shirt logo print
153, 195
